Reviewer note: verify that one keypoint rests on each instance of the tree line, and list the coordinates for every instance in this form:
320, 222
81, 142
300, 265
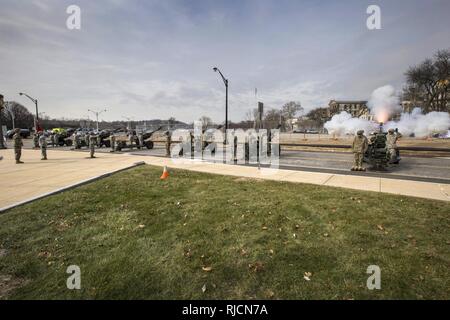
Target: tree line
428, 83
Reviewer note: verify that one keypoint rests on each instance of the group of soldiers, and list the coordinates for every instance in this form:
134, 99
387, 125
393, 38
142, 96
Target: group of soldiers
41, 138
54, 138
18, 144
90, 139
361, 144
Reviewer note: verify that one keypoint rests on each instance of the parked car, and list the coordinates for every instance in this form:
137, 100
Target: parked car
25, 133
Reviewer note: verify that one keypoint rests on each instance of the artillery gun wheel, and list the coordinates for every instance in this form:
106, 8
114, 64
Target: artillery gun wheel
69, 143
149, 144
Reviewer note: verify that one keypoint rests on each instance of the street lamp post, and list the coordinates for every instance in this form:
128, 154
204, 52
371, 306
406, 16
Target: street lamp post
2, 145
129, 125
97, 113
225, 81
36, 118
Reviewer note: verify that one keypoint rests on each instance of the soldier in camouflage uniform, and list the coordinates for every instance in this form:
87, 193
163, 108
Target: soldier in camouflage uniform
113, 142
141, 140
391, 144
131, 139
168, 142
56, 139
18, 144
43, 145
36, 140
52, 139
359, 147
86, 139
76, 141
92, 141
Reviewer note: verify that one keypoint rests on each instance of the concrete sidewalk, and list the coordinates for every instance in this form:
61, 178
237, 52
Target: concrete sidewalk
36, 178
20, 183
419, 189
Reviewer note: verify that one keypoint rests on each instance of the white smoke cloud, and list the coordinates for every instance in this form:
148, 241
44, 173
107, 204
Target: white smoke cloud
421, 125
343, 123
384, 103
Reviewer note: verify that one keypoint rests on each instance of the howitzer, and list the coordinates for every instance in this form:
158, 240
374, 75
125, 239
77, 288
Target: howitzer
149, 138
377, 153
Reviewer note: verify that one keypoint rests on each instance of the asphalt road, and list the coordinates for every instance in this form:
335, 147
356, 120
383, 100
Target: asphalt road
432, 169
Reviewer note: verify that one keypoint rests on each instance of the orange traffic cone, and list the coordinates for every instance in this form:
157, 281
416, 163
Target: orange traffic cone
165, 174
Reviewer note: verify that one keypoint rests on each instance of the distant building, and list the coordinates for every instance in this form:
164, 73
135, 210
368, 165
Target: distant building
357, 108
408, 106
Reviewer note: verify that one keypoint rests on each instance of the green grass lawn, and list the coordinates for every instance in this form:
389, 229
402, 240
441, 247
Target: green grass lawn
137, 237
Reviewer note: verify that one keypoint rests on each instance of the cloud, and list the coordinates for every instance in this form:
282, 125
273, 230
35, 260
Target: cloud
154, 59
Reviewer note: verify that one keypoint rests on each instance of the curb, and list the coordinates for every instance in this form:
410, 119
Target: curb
77, 184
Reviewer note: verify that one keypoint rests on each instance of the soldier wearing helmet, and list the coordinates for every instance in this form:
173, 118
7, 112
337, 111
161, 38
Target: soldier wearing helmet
92, 142
359, 147
43, 145
18, 144
391, 144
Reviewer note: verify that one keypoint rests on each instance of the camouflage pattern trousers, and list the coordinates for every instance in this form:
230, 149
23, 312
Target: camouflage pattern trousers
17, 153
392, 154
44, 153
358, 162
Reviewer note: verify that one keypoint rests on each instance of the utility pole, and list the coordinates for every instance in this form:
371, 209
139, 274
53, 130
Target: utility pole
129, 124
225, 81
2, 144
36, 118
97, 113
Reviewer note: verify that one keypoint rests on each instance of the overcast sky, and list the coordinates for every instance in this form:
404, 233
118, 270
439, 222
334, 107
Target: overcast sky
153, 59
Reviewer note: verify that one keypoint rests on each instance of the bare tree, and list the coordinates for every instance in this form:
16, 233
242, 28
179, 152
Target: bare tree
206, 121
290, 111
22, 117
251, 115
319, 116
273, 118
429, 82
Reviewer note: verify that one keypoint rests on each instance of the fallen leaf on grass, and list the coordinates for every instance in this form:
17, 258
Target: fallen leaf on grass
44, 254
141, 226
307, 276
207, 269
380, 227
204, 288
256, 267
